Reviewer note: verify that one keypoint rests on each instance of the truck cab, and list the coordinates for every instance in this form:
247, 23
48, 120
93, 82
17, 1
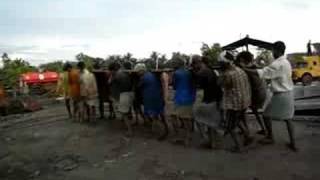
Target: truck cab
307, 70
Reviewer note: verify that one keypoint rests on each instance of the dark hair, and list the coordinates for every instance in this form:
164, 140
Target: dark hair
280, 47
229, 56
81, 65
205, 60
96, 65
196, 58
67, 66
246, 56
127, 65
114, 66
179, 62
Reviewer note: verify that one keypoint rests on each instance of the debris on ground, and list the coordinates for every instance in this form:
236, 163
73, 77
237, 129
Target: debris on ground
35, 174
67, 162
127, 155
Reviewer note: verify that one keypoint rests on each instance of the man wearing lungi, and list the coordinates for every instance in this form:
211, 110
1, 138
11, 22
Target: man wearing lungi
74, 91
153, 96
63, 86
88, 92
185, 94
258, 87
236, 97
281, 106
207, 113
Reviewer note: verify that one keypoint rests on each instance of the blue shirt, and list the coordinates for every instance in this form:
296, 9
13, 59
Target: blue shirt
185, 91
152, 94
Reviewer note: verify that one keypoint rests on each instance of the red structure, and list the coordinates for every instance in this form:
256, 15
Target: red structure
39, 78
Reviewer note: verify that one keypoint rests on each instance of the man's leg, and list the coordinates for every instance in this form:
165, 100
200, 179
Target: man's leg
188, 128
101, 108
242, 119
93, 113
201, 129
125, 118
213, 138
111, 110
136, 115
269, 135
241, 116
67, 102
175, 124
232, 122
262, 130
76, 110
89, 115
290, 127
166, 127
82, 111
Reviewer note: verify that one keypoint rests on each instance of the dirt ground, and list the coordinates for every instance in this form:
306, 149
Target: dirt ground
45, 145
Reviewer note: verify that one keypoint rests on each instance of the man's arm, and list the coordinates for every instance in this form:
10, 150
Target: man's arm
251, 71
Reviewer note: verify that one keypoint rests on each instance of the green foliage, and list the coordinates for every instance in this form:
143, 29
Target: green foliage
88, 61
297, 58
12, 69
56, 66
211, 52
176, 57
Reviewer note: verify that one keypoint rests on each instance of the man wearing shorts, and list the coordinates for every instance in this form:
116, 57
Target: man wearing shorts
122, 94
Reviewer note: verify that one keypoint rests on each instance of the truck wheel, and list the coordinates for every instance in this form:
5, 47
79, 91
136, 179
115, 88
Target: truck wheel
306, 79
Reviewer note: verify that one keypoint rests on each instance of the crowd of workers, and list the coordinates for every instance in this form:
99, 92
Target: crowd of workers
227, 95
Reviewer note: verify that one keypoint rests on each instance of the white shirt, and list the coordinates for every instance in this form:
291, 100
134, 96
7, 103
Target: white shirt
88, 86
280, 74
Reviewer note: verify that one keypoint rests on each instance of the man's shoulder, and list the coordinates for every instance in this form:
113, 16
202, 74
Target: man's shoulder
205, 71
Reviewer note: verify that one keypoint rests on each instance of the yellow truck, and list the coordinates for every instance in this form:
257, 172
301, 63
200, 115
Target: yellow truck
307, 70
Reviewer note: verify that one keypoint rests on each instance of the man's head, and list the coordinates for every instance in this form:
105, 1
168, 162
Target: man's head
225, 60
140, 68
278, 49
245, 58
115, 66
179, 63
196, 62
67, 67
81, 65
127, 65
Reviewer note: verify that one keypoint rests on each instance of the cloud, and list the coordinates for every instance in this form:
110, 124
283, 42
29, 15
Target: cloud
13, 48
296, 5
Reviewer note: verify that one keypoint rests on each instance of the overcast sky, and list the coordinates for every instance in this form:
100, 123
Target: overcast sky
46, 30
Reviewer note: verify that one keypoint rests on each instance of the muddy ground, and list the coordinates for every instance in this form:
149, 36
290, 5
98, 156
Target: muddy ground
46, 145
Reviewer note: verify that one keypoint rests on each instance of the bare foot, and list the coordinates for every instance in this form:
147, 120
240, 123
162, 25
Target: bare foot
163, 137
209, 145
129, 134
292, 147
248, 141
261, 132
236, 149
266, 141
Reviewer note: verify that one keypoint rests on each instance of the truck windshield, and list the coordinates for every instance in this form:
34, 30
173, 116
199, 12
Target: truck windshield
301, 65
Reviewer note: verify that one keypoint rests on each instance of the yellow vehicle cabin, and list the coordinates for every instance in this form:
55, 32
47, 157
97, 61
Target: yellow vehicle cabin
307, 70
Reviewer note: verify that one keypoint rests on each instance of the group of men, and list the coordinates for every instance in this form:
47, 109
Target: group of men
79, 88
227, 95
